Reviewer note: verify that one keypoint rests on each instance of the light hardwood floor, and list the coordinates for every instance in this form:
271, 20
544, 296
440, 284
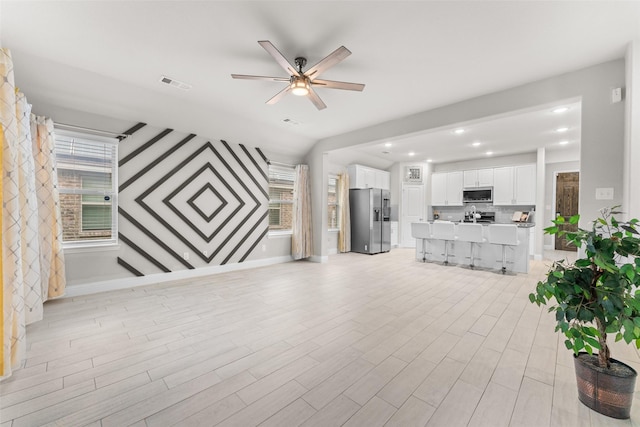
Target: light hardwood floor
359, 341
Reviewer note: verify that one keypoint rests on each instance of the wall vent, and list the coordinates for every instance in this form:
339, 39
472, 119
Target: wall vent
175, 83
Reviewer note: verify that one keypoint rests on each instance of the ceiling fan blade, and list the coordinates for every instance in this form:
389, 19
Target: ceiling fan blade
246, 77
338, 85
329, 61
313, 96
280, 59
279, 95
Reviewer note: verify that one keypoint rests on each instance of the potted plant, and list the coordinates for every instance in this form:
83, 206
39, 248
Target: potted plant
595, 296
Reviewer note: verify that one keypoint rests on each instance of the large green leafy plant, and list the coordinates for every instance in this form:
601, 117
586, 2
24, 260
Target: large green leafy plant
596, 295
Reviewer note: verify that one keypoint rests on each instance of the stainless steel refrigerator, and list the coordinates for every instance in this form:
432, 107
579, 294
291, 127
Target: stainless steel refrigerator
370, 220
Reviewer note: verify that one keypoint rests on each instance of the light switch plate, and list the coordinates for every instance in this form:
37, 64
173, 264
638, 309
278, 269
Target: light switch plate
604, 193
616, 95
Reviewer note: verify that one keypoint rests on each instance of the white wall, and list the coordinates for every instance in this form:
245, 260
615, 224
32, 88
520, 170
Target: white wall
631, 202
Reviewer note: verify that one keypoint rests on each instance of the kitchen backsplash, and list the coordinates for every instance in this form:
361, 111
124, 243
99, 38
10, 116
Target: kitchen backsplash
504, 214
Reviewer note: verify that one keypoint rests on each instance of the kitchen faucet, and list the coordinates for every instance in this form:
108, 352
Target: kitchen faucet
473, 213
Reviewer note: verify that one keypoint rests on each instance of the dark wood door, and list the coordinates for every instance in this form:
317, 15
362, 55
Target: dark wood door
567, 191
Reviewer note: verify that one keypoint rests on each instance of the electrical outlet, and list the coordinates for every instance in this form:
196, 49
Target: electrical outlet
185, 256
604, 193
205, 253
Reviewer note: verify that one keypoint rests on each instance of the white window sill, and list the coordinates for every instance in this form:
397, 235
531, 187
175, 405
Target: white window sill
76, 249
283, 233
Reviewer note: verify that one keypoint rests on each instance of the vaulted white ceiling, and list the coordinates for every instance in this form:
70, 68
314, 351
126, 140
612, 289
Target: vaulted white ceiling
107, 58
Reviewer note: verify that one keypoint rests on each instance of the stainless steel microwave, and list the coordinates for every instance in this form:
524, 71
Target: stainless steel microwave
477, 195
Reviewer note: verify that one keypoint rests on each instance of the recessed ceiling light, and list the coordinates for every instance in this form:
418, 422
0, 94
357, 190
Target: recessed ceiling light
560, 110
561, 130
489, 153
563, 142
476, 143
388, 144
411, 153
429, 160
459, 131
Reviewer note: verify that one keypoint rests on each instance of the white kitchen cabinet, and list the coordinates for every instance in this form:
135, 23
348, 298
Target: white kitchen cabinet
383, 179
439, 189
446, 188
366, 177
525, 185
514, 185
454, 189
532, 242
503, 186
478, 178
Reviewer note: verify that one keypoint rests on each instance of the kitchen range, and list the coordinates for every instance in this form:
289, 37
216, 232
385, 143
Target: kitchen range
479, 217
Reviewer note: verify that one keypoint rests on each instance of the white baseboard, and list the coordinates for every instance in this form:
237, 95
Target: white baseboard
132, 282
318, 258
333, 251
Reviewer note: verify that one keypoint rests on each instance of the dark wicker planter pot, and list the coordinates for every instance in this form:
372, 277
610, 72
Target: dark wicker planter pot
606, 393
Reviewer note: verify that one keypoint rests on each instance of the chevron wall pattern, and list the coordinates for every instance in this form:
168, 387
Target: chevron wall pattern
180, 194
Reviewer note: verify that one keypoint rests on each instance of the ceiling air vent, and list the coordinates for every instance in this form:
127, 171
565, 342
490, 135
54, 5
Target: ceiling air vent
175, 83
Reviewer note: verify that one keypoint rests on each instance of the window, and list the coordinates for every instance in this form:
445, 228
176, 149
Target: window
281, 180
87, 180
333, 209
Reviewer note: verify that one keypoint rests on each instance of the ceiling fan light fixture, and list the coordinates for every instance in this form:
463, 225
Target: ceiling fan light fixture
299, 87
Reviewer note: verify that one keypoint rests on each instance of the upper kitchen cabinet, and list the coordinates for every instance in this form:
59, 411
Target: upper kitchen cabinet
446, 189
478, 178
514, 185
366, 177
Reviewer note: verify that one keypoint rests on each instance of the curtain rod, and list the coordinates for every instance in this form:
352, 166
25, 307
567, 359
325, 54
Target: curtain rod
271, 162
105, 132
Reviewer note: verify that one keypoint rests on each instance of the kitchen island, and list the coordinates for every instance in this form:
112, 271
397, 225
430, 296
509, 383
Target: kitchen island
487, 255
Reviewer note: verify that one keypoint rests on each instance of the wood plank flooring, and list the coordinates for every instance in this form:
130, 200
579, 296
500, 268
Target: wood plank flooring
378, 340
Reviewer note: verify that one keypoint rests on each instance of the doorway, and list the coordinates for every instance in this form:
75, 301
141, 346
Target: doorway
412, 211
567, 192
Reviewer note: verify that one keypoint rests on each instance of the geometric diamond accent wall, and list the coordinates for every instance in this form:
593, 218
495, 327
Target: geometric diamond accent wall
209, 200
182, 195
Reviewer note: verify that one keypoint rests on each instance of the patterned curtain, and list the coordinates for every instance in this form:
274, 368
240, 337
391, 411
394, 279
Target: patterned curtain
30, 243
24, 213
301, 242
53, 279
344, 234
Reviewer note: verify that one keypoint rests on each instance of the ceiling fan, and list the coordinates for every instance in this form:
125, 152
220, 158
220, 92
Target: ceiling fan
300, 82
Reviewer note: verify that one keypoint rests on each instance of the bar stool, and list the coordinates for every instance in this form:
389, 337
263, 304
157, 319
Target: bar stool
445, 231
421, 231
471, 233
503, 235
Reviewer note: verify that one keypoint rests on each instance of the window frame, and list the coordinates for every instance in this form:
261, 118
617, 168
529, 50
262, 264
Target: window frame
84, 203
66, 136
336, 203
282, 172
